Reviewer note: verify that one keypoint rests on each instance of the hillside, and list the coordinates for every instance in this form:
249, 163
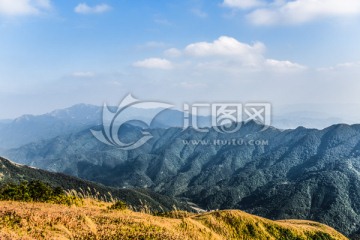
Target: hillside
95, 221
298, 174
138, 198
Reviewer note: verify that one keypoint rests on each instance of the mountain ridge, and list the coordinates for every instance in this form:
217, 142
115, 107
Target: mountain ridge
33, 128
301, 173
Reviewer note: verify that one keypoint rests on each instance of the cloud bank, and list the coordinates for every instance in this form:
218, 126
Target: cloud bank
23, 7
83, 8
294, 12
225, 53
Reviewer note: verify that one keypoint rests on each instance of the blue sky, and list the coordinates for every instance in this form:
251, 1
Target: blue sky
299, 55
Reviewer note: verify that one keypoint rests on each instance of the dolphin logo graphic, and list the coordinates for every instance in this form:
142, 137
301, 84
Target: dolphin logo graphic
112, 122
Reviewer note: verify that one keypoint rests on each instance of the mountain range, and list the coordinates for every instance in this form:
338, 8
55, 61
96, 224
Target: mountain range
279, 174
33, 128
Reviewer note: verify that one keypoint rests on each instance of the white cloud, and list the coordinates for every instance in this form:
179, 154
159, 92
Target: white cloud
83, 8
225, 46
243, 4
301, 11
263, 17
228, 52
283, 65
23, 7
230, 48
173, 52
225, 54
154, 63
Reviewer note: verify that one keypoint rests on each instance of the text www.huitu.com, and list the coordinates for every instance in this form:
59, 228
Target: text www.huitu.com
227, 142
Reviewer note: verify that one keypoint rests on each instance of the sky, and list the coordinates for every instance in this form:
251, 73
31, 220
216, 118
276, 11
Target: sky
299, 55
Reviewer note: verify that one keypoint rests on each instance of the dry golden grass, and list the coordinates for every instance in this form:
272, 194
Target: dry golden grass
93, 220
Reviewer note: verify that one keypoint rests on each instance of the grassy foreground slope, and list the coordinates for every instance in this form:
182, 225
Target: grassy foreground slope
11, 172
94, 220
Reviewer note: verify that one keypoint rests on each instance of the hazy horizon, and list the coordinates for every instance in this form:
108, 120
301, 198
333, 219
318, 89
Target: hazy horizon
284, 117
